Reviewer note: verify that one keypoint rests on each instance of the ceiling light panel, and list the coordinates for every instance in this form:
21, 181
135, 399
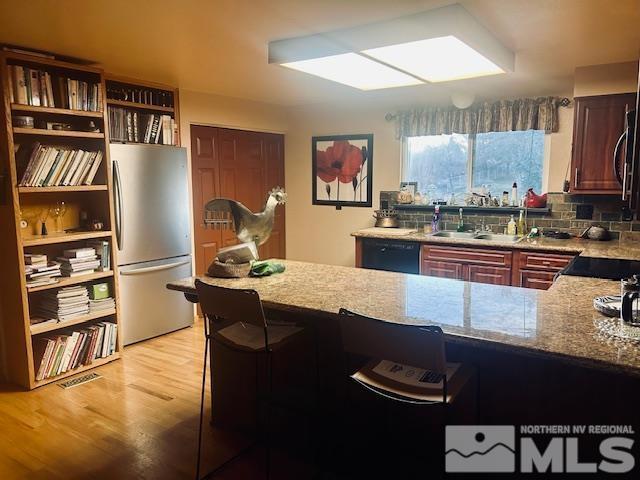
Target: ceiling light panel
438, 59
354, 70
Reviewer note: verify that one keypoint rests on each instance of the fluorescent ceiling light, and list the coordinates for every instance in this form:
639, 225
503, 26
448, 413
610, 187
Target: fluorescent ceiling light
436, 59
354, 70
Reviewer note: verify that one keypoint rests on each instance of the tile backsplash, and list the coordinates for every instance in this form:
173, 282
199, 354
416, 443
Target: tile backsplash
606, 211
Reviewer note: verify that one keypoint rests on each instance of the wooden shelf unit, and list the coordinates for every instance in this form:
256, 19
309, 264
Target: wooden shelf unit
96, 363
21, 366
51, 327
56, 133
115, 82
18, 107
69, 281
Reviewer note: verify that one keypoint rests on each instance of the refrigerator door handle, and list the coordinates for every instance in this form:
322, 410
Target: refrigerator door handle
140, 271
117, 193
616, 159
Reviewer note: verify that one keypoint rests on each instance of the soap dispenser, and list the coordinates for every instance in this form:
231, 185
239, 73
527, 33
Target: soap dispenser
512, 228
435, 223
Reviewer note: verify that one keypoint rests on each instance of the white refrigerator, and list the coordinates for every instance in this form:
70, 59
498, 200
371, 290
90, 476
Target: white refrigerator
153, 233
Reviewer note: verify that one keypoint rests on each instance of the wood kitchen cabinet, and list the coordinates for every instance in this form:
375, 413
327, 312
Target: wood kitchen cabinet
537, 269
598, 123
471, 264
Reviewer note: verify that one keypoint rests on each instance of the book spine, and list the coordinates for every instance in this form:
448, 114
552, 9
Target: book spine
35, 88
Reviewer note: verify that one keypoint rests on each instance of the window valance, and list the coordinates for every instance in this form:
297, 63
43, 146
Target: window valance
500, 116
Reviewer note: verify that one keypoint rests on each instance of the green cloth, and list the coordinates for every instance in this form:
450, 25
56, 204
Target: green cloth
265, 268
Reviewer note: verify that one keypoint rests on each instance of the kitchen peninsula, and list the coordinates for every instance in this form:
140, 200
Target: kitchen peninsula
517, 337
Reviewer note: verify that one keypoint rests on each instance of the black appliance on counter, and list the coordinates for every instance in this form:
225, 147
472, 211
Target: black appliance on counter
391, 255
606, 268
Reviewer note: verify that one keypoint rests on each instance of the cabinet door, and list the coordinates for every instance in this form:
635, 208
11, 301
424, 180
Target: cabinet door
536, 279
598, 123
442, 269
492, 275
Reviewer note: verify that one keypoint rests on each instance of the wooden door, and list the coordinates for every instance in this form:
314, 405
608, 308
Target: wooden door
206, 185
273, 153
598, 123
492, 275
442, 269
243, 166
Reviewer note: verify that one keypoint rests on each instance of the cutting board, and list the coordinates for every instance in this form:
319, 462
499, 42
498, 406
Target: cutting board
388, 231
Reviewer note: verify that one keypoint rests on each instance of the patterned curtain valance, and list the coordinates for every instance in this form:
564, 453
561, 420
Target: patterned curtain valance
500, 116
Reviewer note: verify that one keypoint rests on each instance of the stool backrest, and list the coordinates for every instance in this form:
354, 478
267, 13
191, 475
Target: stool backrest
417, 346
230, 304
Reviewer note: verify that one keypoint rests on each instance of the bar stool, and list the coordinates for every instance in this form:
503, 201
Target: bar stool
235, 318
405, 365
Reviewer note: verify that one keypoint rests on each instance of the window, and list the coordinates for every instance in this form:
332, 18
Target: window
457, 164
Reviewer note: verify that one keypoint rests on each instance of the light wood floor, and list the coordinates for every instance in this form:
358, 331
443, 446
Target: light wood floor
139, 421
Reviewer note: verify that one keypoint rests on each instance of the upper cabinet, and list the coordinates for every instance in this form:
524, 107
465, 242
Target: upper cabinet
598, 123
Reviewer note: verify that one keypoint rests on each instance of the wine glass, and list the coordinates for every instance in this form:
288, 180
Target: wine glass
57, 212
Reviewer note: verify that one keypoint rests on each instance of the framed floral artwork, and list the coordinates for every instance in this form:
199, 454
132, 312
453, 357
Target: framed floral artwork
342, 167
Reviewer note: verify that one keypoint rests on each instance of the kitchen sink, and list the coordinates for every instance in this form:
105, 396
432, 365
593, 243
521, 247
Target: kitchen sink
490, 237
452, 234
497, 237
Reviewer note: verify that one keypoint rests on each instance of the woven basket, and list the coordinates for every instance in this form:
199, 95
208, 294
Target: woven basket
229, 270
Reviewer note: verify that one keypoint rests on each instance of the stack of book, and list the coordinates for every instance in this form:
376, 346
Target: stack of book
102, 305
62, 353
130, 126
78, 261
28, 86
63, 305
49, 165
39, 271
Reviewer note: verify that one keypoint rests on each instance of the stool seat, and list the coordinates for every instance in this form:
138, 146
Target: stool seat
251, 337
407, 382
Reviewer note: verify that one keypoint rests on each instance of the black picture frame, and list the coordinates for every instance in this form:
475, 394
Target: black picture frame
366, 170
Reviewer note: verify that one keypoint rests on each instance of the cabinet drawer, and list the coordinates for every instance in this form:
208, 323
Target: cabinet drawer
498, 258
442, 269
536, 279
492, 275
544, 261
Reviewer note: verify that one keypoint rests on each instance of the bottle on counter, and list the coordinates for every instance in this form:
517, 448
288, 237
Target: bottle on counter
522, 226
460, 222
435, 223
514, 195
512, 228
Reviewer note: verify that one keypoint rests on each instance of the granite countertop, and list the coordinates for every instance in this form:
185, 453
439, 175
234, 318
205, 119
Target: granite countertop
556, 323
628, 250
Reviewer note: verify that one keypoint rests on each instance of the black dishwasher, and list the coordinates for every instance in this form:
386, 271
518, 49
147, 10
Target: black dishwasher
391, 255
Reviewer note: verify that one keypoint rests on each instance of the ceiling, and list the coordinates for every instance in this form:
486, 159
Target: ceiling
220, 46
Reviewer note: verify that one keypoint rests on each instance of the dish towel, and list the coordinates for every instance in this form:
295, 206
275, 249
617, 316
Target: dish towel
265, 268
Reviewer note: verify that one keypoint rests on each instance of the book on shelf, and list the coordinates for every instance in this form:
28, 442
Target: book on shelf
39, 271
38, 88
127, 125
58, 354
103, 251
79, 261
63, 305
55, 166
136, 94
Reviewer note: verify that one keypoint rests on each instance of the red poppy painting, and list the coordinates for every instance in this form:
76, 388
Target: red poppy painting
342, 167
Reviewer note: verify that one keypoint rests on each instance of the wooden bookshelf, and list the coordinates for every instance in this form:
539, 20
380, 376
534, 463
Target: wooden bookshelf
95, 200
114, 83
18, 107
62, 189
63, 238
38, 329
70, 281
141, 106
56, 133
96, 363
